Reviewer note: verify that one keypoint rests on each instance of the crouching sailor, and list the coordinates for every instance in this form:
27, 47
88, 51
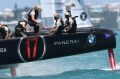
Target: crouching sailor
58, 25
20, 29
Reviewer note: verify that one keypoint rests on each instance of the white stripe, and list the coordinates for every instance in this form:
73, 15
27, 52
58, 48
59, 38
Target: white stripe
19, 53
44, 51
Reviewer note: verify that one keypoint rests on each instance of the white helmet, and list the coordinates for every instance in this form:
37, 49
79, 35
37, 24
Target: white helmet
56, 15
67, 13
38, 7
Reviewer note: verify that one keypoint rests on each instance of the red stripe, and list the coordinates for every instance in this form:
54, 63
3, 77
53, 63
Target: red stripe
112, 59
35, 47
28, 48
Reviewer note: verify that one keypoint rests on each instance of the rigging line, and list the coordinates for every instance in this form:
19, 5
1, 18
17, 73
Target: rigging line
82, 4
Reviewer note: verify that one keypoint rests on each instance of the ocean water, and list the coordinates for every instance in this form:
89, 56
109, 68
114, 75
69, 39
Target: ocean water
93, 65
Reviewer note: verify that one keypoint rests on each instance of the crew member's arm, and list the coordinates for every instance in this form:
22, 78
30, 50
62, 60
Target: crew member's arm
57, 25
71, 22
56, 28
33, 18
7, 32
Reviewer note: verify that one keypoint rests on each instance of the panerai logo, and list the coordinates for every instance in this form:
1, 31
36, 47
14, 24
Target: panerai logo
66, 42
2, 50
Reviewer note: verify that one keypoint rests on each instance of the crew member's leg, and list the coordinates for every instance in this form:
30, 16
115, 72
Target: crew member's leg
36, 29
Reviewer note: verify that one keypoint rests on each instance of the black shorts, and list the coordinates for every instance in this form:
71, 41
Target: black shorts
36, 28
35, 25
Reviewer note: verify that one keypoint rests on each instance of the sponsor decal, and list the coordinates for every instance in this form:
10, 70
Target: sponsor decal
66, 42
91, 39
28, 43
31, 48
3, 50
107, 35
83, 16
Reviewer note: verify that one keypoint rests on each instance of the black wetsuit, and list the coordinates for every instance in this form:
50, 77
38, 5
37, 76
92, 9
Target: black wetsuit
32, 23
74, 26
60, 28
19, 30
2, 33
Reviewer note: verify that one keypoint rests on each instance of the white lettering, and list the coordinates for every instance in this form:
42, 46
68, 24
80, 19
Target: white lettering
66, 42
3, 50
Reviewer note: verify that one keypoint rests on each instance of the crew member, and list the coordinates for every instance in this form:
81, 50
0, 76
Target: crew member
32, 18
70, 23
4, 32
58, 25
20, 29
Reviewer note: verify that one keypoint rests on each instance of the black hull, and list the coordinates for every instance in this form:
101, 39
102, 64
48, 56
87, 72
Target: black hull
32, 48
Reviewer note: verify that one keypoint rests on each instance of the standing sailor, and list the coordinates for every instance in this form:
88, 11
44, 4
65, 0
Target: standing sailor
70, 23
32, 18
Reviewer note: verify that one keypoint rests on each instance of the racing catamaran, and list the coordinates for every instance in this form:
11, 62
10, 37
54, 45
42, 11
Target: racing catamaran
33, 48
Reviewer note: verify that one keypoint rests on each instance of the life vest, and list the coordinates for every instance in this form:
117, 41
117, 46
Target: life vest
74, 25
3, 32
36, 15
20, 31
19, 27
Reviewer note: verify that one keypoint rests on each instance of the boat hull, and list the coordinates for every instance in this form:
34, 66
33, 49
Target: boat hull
32, 48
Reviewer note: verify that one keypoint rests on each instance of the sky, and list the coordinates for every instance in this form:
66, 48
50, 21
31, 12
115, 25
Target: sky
101, 1
22, 3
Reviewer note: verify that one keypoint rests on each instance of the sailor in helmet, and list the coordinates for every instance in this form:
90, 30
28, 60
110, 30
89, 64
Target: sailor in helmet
20, 29
4, 31
70, 23
32, 18
59, 24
